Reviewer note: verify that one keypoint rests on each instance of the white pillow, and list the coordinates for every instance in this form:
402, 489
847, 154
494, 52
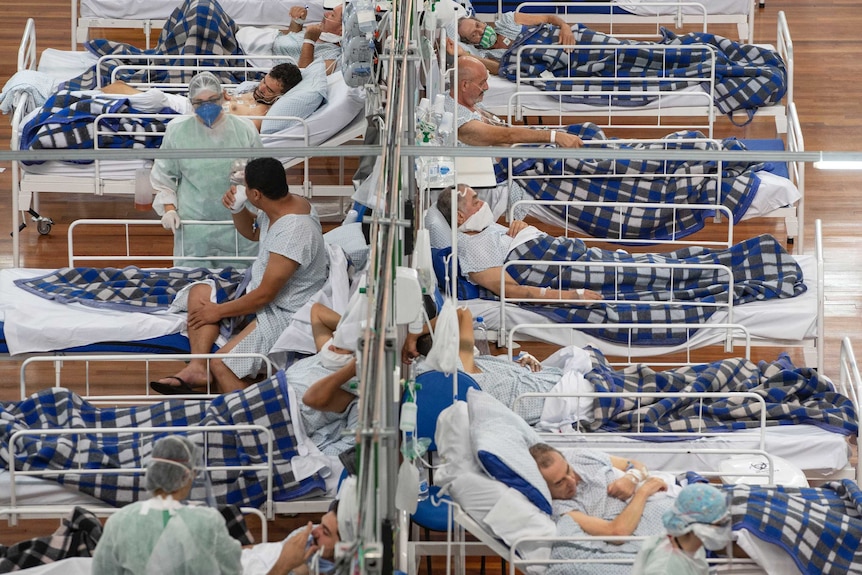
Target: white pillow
349, 237
513, 518
477, 494
453, 444
438, 228
301, 100
501, 440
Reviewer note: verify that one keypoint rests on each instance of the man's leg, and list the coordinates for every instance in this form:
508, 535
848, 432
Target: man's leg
201, 340
225, 377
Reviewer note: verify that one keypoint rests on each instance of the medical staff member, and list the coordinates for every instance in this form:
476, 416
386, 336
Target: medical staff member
192, 188
698, 519
161, 534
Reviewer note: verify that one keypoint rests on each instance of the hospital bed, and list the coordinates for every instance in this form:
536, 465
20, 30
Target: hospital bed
740, 13
690, 106
339, 120
476, 494
797, 322
31, 324
151, 15
780, 192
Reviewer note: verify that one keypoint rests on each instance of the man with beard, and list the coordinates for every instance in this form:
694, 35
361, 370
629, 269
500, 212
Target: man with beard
255, 98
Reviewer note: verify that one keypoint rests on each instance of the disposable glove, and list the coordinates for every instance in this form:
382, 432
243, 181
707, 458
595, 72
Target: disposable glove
171, 220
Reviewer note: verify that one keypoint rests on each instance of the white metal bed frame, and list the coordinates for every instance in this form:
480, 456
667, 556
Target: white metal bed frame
813, 346
613, 116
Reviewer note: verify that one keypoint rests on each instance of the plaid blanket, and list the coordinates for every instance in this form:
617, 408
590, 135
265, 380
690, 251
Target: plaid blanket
746, 77
762, 270
130, 288
67, 121
792, 394
200, 27
265, 403
655, 181
78, 535
820, 528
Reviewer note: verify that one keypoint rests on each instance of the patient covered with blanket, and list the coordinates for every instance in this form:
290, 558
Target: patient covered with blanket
760, 266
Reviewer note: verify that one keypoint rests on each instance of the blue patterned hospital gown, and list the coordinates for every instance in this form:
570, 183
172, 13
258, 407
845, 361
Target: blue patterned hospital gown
298, 238
324, 428
505, 380
487, 249
290, 45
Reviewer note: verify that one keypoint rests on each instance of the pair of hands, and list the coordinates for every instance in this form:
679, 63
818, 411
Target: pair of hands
294, 552
624, 488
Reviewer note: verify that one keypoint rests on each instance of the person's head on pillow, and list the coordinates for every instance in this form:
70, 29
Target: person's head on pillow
558, 474
277, 82
474, 31
473, 214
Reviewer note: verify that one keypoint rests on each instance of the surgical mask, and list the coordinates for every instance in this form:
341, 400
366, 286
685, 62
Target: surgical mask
316, 563
332, 359
713, 537
483, 218
208, 112
489, 38
330, 37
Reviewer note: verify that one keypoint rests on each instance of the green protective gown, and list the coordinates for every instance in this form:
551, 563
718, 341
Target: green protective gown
191, 541
200, 184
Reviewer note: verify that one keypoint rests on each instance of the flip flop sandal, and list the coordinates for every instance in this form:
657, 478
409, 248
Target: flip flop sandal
182, 388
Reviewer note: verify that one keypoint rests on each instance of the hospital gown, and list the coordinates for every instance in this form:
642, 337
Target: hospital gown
298, 238
195, 539
505, 380
196, 187
324, 428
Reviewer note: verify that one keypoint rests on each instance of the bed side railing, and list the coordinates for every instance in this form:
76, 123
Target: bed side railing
14, 510
604, 92
850, 385
796, 170
94, 366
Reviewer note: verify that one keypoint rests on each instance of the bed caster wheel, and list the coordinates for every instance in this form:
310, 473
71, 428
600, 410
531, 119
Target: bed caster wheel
44, 226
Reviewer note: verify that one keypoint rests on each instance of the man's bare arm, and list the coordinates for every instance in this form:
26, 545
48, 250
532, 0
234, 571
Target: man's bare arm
627, 521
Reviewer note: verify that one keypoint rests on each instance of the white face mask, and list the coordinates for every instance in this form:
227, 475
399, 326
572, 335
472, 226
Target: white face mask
330, 37
483, 218
713, 537
332, 359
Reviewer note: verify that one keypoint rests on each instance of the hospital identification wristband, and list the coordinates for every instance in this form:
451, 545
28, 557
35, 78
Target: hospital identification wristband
553, 136
309, 41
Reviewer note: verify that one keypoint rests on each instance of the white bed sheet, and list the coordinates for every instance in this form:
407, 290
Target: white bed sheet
500, 90
791, 320
244, 12
809, 447
34, 324
713, 7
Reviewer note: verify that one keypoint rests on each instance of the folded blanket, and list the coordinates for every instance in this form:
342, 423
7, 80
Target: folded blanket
37, 85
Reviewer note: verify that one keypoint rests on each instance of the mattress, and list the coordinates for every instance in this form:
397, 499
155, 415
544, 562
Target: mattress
809, 447
638, 7
33, 324
787, 321
244, 12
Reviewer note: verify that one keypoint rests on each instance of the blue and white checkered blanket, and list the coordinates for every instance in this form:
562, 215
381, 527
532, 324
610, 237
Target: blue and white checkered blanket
678, 182
129, 288
792, 395
746, 77
820, 528
67, 121
265, 403
200, 27
762, 270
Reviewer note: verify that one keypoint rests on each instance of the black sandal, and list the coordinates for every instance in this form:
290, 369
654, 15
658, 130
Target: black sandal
167, 389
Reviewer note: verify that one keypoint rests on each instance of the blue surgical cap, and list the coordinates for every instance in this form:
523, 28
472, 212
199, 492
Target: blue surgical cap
696, 503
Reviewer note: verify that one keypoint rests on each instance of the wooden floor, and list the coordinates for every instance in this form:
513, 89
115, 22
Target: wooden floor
827, 46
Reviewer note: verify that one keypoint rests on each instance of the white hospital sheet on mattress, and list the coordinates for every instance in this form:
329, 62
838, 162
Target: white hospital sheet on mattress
34, 324
809, 447
533, 99
713, 7
788, 320
244, 12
